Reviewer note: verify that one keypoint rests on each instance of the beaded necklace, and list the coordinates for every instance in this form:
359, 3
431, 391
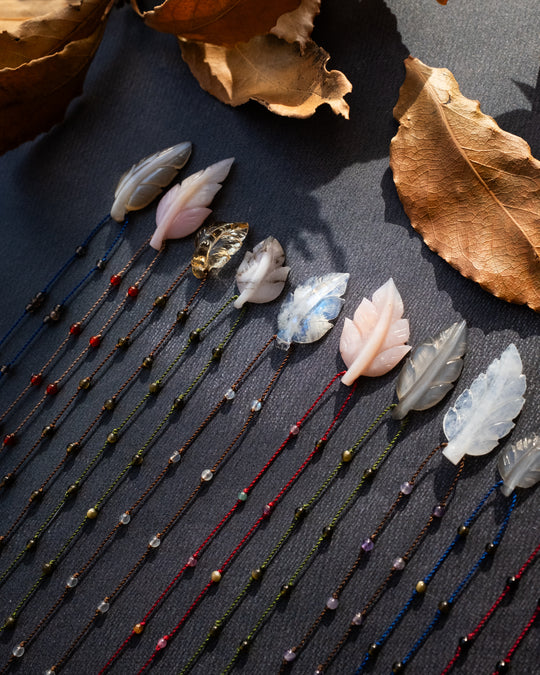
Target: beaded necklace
241, 498
466, 642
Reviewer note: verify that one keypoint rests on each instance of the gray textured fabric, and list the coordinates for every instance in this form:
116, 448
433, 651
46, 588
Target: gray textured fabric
323, 187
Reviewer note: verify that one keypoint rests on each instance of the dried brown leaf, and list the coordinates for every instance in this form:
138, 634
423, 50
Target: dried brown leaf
31, 29
287, 80
220, 22
34, 96
471, 189
297, 26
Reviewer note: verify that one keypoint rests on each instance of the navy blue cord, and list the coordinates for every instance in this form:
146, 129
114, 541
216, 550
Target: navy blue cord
430, 575
460, 587
56, 276
74, 290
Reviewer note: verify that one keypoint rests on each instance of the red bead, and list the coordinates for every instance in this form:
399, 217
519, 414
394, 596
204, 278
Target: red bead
133, 291
95, 341
116, 280
9, 439
52, 389
75, 328
36, 380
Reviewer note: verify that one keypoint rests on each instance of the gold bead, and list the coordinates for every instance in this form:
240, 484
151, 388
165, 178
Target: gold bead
421, 587
112, 437
138, 628
216, 576
92, 513
346, 456
85, 383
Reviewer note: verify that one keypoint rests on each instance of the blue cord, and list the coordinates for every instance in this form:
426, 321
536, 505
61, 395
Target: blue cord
382, 639
74, 290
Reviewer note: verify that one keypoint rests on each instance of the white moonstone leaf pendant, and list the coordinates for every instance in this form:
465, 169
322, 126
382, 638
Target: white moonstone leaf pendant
484, 413
261, 275
184, 208
374, 341
146, 179
519, 465
306, 314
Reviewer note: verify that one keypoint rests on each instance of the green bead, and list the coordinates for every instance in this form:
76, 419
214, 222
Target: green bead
242, 496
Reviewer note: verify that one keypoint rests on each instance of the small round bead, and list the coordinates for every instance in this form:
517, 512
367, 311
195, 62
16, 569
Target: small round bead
216, 576
116, 280
52, 389
369, 474
300, 512
244, 645
357, 619
267, 510
398, 564
125, 518
109, 404
195, 335
327, 531
46, 320
160, 301
72, 490
10, 622
154, 542
49, 671
217, 353
56, 313
95, 341
48, 431
154, 387
148, 361
138, 628
123, 343
257, 573
319, 445
47, 568
367, 545
464, 642
207, 475
512, 582
289, 655
175, 457
75, 328
137, 459
8, 479
162, 643
72, 448
101, 264
285, 590
463, 530
133, 291
256, 405
192, 561
242, 496
502, 666
92, 513
112, 437
230, 394
214, 631
30, 544
439, 511
332, 603
10, 439
294, 430
491, 547
36, 380
444, 606
182, 316
80, 251
85, 383
18, 651
37, 495
406, 487
179, 402
421, 587
72, 581
374, 649
2, 541
346, 456
398, 667
103, 607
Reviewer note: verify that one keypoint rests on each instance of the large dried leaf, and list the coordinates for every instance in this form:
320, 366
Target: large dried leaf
469, 188
31, 29
221, 22
297, 26
34, 96
287, 80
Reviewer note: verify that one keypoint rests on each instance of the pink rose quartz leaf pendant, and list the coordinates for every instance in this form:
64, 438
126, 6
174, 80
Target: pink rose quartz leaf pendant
261, 275
374, 341
215, 245
183, 209
147, 179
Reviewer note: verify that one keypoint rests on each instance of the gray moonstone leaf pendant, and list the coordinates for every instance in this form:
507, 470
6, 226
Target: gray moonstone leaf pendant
431, 370
484, 413
146, 179
215, 245
519, 465
306, 314
261, 275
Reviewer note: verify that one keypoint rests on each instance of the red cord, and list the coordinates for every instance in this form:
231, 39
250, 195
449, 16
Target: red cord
472, 635
521, 636
225, 518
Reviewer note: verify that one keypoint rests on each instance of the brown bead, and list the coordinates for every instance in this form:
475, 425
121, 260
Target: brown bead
138, 628
72, 448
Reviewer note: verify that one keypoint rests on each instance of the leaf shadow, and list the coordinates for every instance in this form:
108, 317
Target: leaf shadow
525, 123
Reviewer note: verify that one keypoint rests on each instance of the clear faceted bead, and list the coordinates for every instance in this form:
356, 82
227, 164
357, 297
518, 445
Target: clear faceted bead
332, 603
192, 561
294, 430
162, 643
154, 542
256, 405
49, 672
398, 564
289, 655
125, 518
103, 607
367, 545
18, 651
406, 488
357, 619
230, 394
175, 457
207, 475
72, 581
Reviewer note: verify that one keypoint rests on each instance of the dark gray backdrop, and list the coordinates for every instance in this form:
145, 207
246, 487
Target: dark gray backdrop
323, 187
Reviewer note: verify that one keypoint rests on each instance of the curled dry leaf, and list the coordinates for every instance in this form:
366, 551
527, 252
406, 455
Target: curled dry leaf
287, 80
44, 60
221, 22
471, 189
297, 26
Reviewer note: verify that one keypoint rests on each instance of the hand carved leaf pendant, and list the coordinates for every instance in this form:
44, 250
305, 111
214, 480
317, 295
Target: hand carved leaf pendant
215, 245
261, 275
519, 465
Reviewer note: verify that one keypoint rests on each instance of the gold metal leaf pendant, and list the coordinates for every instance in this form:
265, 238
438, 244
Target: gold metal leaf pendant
215, 245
